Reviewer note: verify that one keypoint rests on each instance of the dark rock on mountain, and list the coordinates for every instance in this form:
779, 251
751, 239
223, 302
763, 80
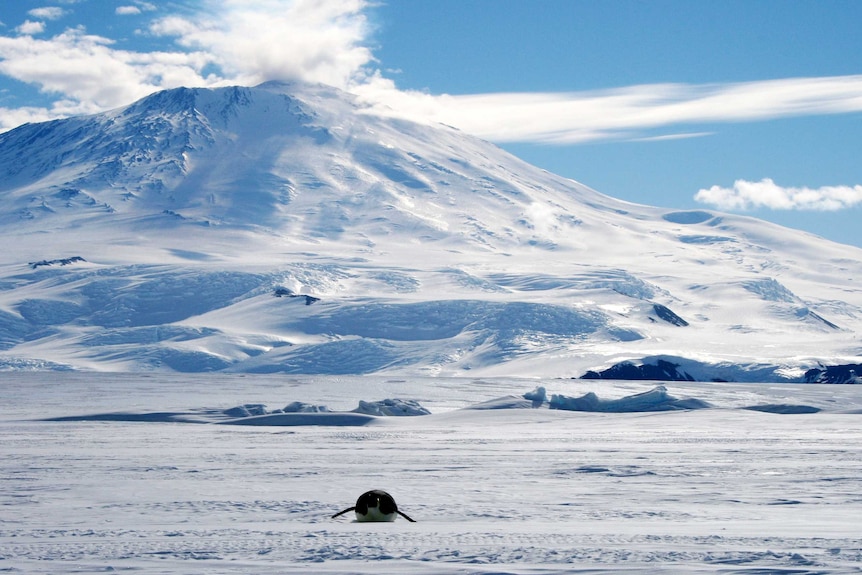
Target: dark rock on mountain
848, 373
660, 371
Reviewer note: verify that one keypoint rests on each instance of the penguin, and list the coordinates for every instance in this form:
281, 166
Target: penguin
375, 505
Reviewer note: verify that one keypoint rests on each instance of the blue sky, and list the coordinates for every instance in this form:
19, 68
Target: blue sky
750, 106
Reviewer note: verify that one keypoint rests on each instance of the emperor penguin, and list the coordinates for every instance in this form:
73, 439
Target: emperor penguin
375, 505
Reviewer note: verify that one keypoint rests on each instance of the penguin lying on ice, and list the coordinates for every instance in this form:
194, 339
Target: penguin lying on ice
375, 505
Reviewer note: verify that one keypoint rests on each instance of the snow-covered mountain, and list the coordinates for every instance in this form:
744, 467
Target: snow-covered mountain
284, 228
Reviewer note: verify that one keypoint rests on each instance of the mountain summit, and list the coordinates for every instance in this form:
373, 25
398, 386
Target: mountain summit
285, 228
302, 161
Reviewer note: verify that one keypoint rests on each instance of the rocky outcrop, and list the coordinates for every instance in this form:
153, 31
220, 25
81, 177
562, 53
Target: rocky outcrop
848, 373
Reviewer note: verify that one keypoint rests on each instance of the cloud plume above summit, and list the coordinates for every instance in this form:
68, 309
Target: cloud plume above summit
255, 41
222, 42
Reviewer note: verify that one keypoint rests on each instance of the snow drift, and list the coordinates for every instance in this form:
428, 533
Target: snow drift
657, 399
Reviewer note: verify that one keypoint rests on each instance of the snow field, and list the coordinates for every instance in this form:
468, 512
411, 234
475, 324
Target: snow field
366, 318
521, 491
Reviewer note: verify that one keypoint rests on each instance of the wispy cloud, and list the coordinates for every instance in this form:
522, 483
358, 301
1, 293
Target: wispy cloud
745, 195
137, 7
127, 10
47, 13
667, 137
574, 117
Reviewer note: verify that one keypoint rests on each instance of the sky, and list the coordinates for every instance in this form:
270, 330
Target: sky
747, 106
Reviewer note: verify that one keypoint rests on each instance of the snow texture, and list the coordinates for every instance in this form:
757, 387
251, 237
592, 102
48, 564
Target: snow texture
286, 229
163, 478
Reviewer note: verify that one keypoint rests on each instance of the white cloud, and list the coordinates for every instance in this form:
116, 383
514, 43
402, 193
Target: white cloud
87, 70
258, 40
574, 117
127, 10
29, 28
668, 137
252, 41
745, 195
236, 41
12, 117
47, 13
137, 7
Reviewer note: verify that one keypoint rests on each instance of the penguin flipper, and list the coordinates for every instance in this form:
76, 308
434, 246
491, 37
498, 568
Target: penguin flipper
404, 515
343, 512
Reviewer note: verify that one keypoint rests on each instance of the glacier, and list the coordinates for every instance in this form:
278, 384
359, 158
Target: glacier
286, 228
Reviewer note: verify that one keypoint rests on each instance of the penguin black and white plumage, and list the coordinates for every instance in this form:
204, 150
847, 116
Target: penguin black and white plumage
375, 505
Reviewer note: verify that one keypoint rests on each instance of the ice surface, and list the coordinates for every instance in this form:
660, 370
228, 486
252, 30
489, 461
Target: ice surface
522, 491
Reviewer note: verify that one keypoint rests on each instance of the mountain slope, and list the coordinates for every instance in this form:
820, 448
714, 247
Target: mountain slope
184, 231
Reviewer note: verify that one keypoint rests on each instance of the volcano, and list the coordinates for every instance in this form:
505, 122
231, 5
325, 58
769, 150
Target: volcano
287, 228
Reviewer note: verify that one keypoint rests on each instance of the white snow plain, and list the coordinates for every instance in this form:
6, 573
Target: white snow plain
140, 473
